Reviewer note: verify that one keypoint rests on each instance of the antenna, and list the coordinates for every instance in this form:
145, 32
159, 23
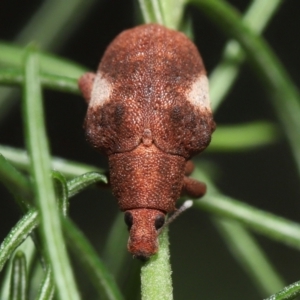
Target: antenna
186, 204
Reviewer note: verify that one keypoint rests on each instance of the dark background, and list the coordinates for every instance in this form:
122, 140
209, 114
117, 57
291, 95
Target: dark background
266, 178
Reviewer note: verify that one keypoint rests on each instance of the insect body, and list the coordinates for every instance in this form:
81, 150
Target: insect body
149, 112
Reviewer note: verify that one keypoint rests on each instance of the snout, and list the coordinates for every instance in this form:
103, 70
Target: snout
143, 225
142, 249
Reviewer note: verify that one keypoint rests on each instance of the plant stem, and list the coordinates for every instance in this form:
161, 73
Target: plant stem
223, 76
288, 293
16, 183
248, 253
243, 137
47, 31
80, 182
47, 288
19, 158
12, 56
18, 284
151, 11
285, 95
44, 190
90, 261
113, 255
156, 281
17, 235
268, 224
15, 76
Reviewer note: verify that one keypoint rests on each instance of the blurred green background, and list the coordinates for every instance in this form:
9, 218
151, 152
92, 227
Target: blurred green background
264, 177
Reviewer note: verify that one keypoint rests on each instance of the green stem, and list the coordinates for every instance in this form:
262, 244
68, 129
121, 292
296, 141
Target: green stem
16, 183
15, 76
113, 255
156, 281
243, 137
270, 225
250, 256
81, 182
263, 222
12, 56
286, 98
17, 235
47, 288
19, 158
168, 12
28, 248
46, 30
151, 11
173, 11
44, 190
90, 261
18, 284
88, 257
223, 76
62, 192
288, 293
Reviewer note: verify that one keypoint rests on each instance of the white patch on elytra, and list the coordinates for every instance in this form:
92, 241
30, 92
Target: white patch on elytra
198, 94
101, 90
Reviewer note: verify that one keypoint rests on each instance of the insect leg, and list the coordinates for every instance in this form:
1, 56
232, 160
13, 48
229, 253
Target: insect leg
193, 188
189, 168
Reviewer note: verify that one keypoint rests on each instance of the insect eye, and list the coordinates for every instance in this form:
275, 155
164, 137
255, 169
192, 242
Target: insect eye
159, 222
128, 218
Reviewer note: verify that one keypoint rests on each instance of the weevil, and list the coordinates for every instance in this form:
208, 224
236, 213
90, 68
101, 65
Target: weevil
149, 112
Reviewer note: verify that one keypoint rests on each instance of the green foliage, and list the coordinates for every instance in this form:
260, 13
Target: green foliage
18, 284
42, 184
156, 282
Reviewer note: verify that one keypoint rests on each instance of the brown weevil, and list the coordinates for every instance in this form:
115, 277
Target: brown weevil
149, 112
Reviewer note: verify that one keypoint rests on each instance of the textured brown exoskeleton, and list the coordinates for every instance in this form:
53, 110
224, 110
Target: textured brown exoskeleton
149, 112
